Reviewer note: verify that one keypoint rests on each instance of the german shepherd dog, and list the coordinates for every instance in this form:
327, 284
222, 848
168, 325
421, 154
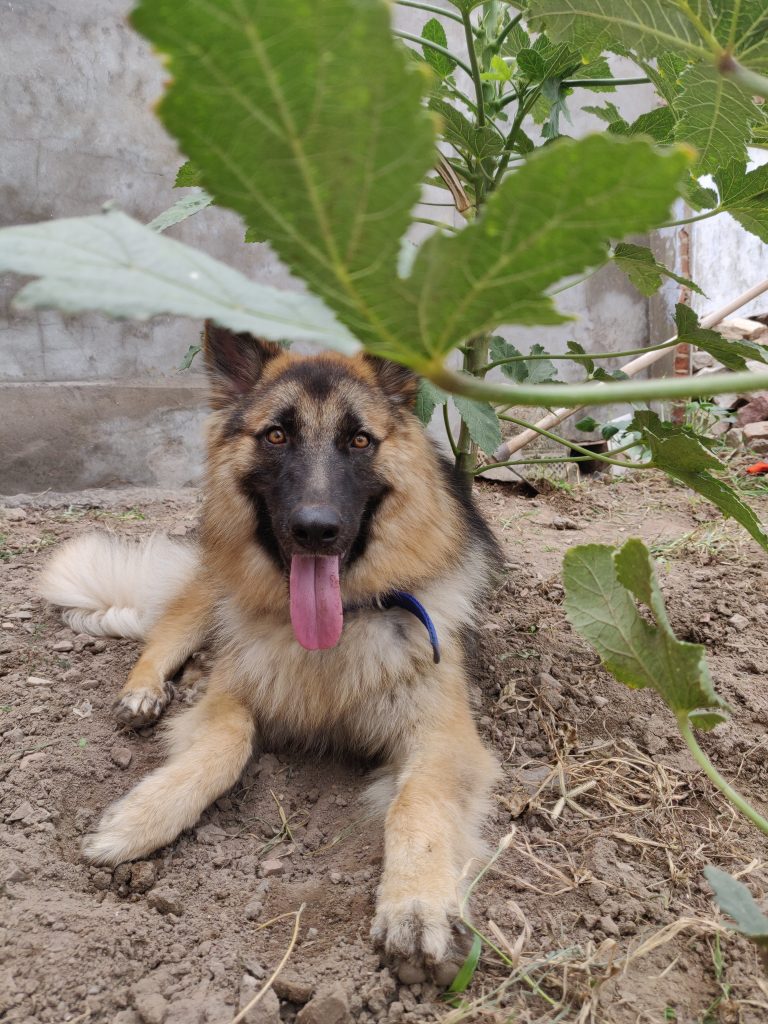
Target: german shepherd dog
324, 496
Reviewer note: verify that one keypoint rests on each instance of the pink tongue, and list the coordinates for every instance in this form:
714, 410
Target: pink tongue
316, 612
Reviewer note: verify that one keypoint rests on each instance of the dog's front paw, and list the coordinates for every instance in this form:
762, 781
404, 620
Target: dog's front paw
422, 938
143, 821
137, 708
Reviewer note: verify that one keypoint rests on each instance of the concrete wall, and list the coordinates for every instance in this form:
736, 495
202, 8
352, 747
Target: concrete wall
87, 401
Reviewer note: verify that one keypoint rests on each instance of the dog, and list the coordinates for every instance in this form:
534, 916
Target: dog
338, 572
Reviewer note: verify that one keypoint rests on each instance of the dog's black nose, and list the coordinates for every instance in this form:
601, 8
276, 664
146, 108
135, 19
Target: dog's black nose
315, 526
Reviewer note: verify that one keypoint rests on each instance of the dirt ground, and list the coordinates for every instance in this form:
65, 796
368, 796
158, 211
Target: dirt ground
598, 902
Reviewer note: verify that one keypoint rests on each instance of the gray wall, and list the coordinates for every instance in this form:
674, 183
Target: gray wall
87, 401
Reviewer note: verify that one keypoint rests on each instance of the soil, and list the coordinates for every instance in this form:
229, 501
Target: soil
598, 902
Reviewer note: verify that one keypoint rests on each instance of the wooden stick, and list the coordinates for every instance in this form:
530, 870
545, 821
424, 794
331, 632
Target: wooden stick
514, 444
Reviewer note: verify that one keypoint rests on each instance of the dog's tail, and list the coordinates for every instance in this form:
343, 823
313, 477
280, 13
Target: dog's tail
113, 586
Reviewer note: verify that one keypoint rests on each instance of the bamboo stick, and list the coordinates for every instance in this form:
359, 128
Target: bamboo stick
635, 366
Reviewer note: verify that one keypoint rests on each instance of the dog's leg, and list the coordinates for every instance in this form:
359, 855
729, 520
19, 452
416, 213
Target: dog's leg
210, 745
179, 633
431, 832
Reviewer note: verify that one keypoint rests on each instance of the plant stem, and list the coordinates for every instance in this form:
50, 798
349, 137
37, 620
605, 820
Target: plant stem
466, 456
750, 81
524, 105
505, 31
738, 801
434, 46
431, 8
576, 357
585, 83
449, 432
434, 223
554, 459
571, 395
474, 70
564, 441
696, 217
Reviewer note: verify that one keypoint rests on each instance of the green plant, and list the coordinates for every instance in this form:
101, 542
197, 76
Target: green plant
735, 900
285, 121
612, 598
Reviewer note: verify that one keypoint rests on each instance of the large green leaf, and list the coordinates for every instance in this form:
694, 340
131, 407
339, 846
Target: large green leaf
643, 270
434, 31
458, 130
596, 25
427, 400
532, 371
658, 123
732, 354
114, 265
482, 423
725, 36
735, 900
305, 118
602, 585
682, 456
548, 220
715, 116
745, 196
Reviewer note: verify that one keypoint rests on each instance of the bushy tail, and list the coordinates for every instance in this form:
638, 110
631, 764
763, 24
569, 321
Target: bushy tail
112, 586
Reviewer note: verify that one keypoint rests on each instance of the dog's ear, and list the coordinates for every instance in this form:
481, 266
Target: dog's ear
234, 362
398, 383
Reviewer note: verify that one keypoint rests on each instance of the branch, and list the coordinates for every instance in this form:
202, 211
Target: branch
431, 8
474, 71
553, 418
586, 83
547, 395
421, 41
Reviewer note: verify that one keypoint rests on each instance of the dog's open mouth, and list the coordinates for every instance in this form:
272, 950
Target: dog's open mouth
317, 615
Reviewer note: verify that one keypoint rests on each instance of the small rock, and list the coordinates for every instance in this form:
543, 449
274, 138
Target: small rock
564, 523
14, 515
752, 432
63, 646
270, 867
253, 910
210, 834
180, 530
740, 622
126, 1017
151, 1007
39, 681
755, 411
14, 873
335, 877
121, 756
266, 1011
101, 880
143, 876
166, 901
608, 925
22, 616
328, 1007
290, 986
122, 874
23, 811
550, 690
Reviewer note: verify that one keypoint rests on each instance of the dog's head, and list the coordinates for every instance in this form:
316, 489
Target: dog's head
316, 444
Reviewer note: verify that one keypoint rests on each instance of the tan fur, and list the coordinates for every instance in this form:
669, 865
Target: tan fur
378, 691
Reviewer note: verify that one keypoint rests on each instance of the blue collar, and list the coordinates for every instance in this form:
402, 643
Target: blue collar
401, 599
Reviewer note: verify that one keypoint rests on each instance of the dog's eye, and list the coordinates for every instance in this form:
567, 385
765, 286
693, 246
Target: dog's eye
276, 435
360, 441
